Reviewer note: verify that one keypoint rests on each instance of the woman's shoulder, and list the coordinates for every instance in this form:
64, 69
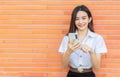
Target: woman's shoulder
96, 35
65, 37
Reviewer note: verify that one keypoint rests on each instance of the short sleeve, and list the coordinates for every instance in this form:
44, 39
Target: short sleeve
100, 45
63, 45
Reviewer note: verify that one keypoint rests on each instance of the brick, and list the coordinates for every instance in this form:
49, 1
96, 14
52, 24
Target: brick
30, 12
23, 7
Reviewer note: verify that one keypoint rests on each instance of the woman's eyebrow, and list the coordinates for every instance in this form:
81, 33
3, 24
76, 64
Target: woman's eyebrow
84, 16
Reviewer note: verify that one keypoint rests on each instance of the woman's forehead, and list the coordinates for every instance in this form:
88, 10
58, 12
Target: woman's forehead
81, 14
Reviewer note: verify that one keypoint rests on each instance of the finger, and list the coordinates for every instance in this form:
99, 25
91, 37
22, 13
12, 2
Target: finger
84, 46
76, 43
73, 47
76, 47
68, 41
72, 41
84, 49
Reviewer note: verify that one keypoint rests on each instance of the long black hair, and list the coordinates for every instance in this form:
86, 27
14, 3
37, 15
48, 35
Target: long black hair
73, 27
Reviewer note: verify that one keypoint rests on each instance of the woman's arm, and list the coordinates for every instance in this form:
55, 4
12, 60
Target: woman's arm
73, 46
96, 60
65, 59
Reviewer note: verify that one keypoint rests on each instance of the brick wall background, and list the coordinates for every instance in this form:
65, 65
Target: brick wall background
31, 32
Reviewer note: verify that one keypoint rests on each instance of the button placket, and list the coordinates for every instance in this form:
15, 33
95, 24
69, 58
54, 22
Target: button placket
80, 56
80, 61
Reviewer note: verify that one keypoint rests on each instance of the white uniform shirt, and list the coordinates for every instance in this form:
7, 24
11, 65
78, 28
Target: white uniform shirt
80, 58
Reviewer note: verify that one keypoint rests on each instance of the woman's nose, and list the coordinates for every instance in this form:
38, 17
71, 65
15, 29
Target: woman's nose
80, 21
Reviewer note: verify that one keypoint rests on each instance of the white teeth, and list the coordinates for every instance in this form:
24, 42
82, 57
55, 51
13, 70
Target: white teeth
80, 25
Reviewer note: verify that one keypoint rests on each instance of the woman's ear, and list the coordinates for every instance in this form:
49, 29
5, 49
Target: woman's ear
90, 19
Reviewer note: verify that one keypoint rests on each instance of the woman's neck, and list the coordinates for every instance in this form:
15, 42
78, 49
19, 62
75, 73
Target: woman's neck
82, 33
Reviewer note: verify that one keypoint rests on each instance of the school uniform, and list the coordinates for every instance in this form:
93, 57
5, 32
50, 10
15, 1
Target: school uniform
81, 60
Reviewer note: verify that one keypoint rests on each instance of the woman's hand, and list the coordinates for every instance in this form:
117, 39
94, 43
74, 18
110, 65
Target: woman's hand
86, 48
74, 45
96, 58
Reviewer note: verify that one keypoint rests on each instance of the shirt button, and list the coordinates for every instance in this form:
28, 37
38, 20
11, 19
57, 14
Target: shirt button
80, 64
80, 55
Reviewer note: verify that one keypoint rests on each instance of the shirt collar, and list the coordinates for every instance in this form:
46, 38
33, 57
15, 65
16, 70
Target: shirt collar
89, 34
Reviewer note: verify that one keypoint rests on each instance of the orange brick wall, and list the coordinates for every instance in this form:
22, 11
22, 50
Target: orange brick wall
31, 31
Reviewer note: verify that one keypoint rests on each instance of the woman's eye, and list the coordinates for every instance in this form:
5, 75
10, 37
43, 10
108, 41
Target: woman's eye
77, 19
83, 18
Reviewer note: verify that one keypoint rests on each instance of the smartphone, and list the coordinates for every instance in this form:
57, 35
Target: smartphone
73, 36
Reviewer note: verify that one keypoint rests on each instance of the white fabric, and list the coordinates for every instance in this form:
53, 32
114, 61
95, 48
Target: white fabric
78, 57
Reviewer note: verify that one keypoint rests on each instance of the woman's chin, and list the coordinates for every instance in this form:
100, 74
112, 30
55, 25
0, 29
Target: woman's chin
81, 28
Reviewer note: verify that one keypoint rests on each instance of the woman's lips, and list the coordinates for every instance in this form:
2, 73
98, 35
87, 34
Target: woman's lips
80, 26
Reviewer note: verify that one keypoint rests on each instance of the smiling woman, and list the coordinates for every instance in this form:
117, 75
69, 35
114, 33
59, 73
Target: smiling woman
84, 54
82, 20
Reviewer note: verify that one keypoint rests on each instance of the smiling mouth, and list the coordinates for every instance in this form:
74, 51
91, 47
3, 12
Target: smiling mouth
81, 25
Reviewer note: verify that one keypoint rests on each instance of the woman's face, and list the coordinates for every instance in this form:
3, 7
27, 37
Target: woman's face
82, 20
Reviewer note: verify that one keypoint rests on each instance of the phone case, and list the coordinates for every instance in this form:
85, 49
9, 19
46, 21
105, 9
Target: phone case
72, 36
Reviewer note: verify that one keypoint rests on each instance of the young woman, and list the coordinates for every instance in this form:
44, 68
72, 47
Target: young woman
84, 55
